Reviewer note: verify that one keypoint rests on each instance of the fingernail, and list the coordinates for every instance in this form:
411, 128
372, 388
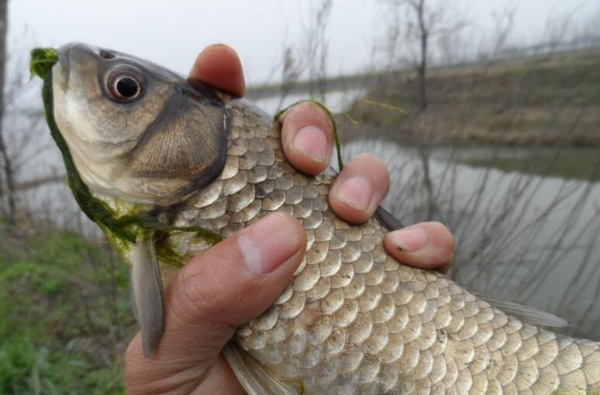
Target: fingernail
355, 192
268, 243
411, 239
312, 142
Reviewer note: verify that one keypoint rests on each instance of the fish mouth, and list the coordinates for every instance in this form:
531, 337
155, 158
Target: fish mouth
62, 69
68, 56
64, 56
73, 56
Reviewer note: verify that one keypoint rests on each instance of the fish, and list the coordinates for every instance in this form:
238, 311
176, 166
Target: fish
167, 168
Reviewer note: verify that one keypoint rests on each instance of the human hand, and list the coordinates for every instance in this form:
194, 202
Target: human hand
209, 297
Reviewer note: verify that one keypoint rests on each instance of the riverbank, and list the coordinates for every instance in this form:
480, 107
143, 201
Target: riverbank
66, 317
538, 101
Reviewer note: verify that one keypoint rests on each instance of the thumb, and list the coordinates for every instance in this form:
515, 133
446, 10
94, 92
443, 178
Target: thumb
222, 288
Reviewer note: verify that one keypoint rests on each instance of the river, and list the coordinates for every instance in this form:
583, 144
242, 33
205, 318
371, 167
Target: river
525, 232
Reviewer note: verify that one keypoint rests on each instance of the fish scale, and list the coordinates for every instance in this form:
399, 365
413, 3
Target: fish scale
353, 319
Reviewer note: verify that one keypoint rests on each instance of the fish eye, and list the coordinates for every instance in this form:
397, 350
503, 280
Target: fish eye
126, 84
127, 87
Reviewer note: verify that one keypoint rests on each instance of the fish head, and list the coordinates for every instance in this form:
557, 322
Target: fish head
137, 131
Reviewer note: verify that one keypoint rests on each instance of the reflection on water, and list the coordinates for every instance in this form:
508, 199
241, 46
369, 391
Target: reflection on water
524, 232
581, 163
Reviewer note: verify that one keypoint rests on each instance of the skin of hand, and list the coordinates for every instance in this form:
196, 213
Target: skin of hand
209, 297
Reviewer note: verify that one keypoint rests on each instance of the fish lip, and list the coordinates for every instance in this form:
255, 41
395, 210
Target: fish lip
64, 56
63, 73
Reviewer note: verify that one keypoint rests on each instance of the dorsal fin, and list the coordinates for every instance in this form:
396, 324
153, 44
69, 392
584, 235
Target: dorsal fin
387, 219
526, 314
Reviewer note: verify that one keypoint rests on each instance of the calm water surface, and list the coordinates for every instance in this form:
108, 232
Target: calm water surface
527, 221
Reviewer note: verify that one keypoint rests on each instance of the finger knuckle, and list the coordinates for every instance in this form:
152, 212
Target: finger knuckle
201, 295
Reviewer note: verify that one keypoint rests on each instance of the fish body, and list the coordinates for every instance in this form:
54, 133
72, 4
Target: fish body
352, 319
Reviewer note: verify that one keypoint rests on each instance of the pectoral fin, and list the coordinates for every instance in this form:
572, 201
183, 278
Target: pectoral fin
253, 376
147, 293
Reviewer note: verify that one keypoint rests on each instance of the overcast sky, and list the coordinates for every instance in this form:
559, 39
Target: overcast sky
173, 32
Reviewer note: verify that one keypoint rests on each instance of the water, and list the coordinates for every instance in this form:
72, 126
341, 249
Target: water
337, 101
524, 233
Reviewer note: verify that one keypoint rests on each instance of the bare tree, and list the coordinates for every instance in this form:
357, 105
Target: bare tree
418, 7
308, 58
427, 19
317, 49
7, 186
26, 163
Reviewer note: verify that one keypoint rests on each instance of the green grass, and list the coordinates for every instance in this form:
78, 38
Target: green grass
65, 314
524, 102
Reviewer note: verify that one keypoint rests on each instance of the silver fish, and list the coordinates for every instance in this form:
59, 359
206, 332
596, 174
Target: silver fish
166, 169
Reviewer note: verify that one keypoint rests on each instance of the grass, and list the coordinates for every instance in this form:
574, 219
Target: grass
65, 314
551, 100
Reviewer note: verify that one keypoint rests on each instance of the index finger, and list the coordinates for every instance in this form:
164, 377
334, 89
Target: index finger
220, 66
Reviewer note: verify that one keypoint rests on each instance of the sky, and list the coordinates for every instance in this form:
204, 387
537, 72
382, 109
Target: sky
173, 32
